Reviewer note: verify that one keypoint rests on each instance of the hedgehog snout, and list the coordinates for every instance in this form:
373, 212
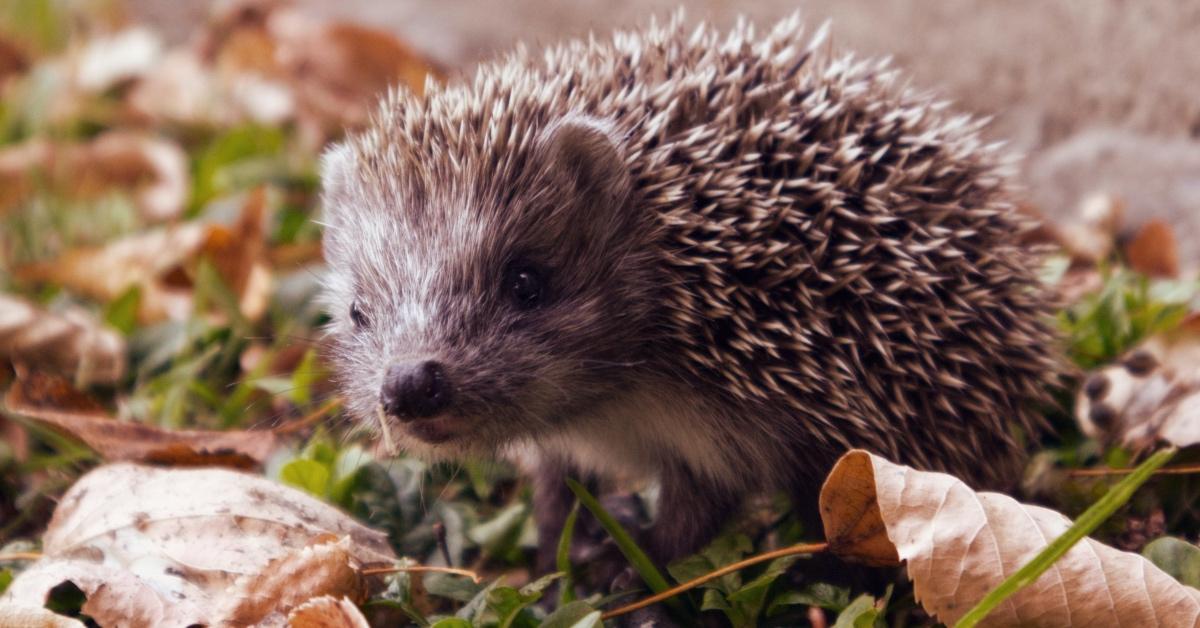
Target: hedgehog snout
415, 389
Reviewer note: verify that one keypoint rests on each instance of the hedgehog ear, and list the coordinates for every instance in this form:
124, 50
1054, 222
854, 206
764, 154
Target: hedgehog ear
581, 154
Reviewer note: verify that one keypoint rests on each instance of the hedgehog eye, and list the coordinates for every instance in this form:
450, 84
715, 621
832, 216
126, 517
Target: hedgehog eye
525, 285
357, 315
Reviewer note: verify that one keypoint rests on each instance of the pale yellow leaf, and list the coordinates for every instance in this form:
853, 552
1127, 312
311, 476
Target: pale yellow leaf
958, 544
29, 616
182, 544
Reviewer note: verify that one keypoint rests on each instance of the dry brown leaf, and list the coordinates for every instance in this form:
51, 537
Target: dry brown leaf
13, 61
268, 596
1153, 250
176, 546
339, 69
1152, 394
239, 254
327, 612
153, 170
53, 402
958, 544
72, 342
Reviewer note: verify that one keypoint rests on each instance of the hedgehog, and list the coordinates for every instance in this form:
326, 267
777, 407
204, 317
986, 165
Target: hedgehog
706, 262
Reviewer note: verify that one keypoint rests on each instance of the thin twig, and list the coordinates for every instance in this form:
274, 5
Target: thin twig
803, 548
1182, 469
310, 418
19, 556
375, 571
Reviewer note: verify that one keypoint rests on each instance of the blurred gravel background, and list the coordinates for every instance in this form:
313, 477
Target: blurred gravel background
1100, 95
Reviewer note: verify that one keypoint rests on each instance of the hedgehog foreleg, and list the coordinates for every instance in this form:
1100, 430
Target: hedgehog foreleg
552, 501
691, 510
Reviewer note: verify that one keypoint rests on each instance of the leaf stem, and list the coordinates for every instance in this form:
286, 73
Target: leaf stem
803, 548
1117, 496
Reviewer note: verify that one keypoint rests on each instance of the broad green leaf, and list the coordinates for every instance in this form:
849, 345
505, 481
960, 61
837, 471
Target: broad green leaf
818, 594
121, 313
1177, 557
307, 475
861, 613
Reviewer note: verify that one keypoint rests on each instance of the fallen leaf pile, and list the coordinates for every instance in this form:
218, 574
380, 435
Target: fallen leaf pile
157, 264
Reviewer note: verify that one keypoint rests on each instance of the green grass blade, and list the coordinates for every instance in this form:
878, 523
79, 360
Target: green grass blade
1116, 497
638, 558
562, 558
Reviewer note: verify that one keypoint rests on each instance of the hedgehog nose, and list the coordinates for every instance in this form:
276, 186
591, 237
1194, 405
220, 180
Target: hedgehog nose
415, 389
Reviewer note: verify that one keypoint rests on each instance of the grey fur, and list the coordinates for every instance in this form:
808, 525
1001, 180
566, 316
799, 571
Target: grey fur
760, 255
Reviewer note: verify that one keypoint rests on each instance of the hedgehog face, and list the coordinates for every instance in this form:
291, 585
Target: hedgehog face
479, 308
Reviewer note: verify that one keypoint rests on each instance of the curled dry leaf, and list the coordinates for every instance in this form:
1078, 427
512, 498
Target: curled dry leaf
1152, 394
71, 342
958, 544
52, 401
187, 546
327, 612
1152, 250
153, 170
267, 597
